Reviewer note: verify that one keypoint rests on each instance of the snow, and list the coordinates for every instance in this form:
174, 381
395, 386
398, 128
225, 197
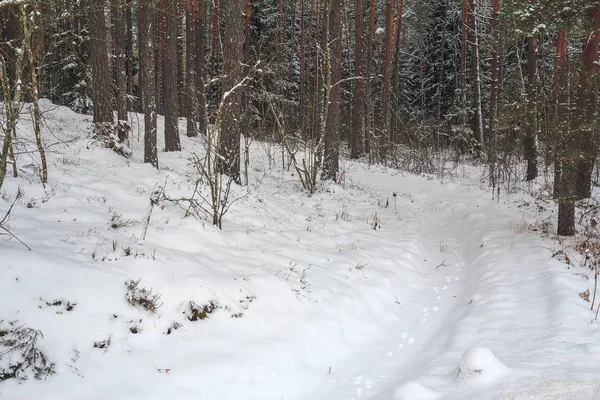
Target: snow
450, 299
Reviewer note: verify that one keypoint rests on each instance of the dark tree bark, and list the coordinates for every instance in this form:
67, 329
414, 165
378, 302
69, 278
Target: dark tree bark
170, 90
233, 47
477, 106
495, 88
358, 98
181, 98
99, 57
587, 109
395, 85
563, 166
532, 111
216, 32
200, 68
464, 44
129, 52
119, 67
247, 55
331, 159
160, 24
141, 43
369, 122
147, 54
388, 57
191, 27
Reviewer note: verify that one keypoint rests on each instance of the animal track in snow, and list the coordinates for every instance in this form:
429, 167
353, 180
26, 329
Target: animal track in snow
411, 340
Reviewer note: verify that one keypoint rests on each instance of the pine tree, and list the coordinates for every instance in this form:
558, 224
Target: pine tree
99, 57
172, 142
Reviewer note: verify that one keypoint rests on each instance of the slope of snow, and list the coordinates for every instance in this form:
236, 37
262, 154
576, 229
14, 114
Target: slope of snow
445, 301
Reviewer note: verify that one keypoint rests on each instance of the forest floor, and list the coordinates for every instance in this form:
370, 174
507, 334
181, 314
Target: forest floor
454, 296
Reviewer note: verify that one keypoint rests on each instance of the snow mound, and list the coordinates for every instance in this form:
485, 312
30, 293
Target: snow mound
480, 365
413, 390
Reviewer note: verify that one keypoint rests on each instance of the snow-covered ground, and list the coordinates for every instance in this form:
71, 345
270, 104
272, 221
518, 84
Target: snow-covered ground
449, 299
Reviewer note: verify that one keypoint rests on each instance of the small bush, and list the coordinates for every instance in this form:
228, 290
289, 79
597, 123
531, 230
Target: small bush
117, 221
196, 312
142, 297
20, 358
103, 344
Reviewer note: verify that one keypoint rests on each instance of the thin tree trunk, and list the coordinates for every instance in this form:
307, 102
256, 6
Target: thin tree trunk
191, 26
369, 98
142, 10
118, 41
532, 111
172, 142
200, 67
495, 89
232, 75
302, 71
129, 53
358, 99
216, 36
441, 74
587, 109
478, 126
149, 78
331, 161
388, 57
463, 48
160, 32
181, 98
395, 91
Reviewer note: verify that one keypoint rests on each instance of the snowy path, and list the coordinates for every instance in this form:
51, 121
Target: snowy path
492, 289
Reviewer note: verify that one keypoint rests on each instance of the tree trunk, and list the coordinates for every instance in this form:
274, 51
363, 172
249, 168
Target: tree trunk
200, 68
563, 165
395, 85
532, 126
160, 45
331, 159
99, 56
587, 110
233, 51
191, 26
388, 57
358, 99
368, 98
441, 74
147, 52
478, 125
464, 43
216, 36
181, 98
170, 90
495, 88
566, 219
129, 53
118, 25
